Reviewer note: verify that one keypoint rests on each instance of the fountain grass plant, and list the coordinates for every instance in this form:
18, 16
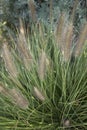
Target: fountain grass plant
43, 79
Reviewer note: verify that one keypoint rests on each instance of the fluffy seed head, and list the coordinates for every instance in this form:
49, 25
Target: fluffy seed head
32, 9
42, 65
81, 40
66, 123
1, 88
59, 30
38, 94
18, 98
68, 42
9, 63
63, 36
23, 48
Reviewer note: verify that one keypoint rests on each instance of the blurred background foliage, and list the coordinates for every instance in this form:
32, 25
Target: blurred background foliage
15, 9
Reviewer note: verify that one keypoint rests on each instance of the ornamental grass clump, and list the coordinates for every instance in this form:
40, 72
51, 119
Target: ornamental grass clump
43, 79
7, 57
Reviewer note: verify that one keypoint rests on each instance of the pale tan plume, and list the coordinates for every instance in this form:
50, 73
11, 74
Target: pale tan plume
81, 40
42, 65
63, 35
22, 47
3, 90
22, 31
66, 123
32, 9
8, 59
38, 94
68, 41
15, 95
22, 43
59, 30
51, 10
41, 33
18, 98
75, 4
28, 63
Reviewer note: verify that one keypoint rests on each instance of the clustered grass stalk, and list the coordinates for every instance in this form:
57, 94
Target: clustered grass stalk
23, 48
41, 87
8, 60
32, 10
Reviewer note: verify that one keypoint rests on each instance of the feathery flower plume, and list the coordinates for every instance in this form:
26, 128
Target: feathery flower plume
18, 98
21, 34
41, 32
75, 4
63, 36
42, 65
38, 94
66, 123
32, 9
9, 63
3, 90
81, 40
22, 47
50, 12
22, 31
67, 42
59, 30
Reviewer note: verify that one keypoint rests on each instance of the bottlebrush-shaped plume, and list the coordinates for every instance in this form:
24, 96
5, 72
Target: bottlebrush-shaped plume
3, 90
63, 35
81, 40
67, 43
33, 10
23, 48
66, 123
8, 59
42, 65
59, 30
38, 94
18, 98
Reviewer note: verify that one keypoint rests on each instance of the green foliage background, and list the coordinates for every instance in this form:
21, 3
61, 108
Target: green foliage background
15, 9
